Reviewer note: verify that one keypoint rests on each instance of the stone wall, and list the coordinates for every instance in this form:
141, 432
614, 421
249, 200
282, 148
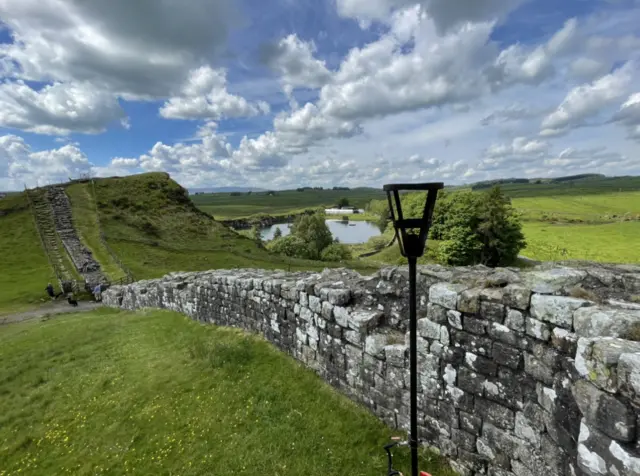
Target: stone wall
520, 373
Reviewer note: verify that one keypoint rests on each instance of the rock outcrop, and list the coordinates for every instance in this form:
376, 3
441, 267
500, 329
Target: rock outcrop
514, 379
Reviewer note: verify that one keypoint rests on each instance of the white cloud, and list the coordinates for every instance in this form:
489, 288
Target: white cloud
20, 165
138, 51
445, 13
57, 109
629, 115
204, 95
293, 60
588, 100
126, 163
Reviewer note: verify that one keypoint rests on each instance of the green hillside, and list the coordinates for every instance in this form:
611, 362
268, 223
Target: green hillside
25, 268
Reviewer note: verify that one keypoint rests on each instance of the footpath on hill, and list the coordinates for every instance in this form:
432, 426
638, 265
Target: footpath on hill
50, 309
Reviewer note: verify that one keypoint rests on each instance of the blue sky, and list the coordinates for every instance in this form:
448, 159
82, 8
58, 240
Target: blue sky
325, 92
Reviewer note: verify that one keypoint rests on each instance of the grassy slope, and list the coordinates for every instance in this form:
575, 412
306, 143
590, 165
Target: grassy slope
85, 221
225, 206
154, 393
24, 265
613, 242
155, 229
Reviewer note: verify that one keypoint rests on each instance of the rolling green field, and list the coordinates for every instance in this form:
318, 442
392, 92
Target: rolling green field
224, 206
24, 265
112, 392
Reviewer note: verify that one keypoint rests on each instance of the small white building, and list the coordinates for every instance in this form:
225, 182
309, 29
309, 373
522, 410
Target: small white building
342, 211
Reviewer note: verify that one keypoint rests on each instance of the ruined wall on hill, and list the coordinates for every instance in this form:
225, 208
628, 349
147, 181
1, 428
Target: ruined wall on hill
516, 376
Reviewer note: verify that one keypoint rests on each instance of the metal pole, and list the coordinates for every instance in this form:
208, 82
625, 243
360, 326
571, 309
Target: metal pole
413, 366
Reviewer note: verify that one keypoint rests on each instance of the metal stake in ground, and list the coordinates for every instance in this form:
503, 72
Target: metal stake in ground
411, 234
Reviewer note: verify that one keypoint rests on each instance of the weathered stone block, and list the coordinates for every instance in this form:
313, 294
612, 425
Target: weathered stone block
464, 440
470, 423
538, 329
506, 355
480, 364
327, 310
547, 355
315, 304
428, 366
471, 343
497, 445
515, 320
599, 455
470, 381
629, 376
364, 320
495, 414
558, 310
604, 412
474, 325
469, 301
527, 430
502, 333
396, 354
455, 319
517, 296
537, 369
603, 322
553, 280
339, 297
564, 341
445, 294
492, 311
341, 316
436, 313
597, 360
428, 329
375, 344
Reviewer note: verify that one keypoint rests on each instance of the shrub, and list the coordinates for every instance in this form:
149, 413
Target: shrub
290, 245
377, 242
277, 234
336, 252
343, 202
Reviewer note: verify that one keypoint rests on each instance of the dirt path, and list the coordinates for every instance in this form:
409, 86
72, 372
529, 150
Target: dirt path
51, 309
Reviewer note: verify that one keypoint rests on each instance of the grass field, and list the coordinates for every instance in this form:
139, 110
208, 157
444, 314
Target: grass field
25, 268
112, 392
226, 206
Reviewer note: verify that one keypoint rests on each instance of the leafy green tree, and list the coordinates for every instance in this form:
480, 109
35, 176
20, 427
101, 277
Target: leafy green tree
313, 230
336, 252
277, 234
343, 202
478, 228
255, 233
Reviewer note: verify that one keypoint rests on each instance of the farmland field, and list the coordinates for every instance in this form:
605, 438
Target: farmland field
227, 206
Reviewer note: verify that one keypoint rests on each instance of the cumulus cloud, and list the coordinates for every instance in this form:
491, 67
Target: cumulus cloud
445, 13
141, 51
204, 95
293, 59
20, 165
57, 109
587, 100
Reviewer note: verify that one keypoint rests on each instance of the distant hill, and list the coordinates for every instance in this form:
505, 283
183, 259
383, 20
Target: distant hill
193, 191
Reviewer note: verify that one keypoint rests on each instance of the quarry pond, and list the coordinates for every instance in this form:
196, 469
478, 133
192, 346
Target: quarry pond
348, 232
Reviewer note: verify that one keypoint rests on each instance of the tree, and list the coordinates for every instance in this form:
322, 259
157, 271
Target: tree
343, 202
313, 230
336, 252
255, 233
478, 228
290, 245
277, 234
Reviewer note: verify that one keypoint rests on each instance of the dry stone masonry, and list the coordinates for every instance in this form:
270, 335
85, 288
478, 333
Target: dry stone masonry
521, 373
80, 255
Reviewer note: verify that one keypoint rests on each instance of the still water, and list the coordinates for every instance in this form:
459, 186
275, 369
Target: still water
346, 232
